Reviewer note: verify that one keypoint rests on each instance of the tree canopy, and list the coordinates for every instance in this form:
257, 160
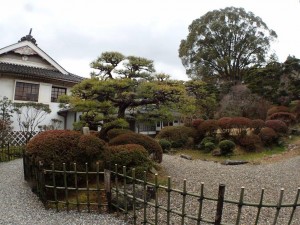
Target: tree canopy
223, 43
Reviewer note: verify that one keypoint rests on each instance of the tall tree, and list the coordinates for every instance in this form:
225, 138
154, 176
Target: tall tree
223, 43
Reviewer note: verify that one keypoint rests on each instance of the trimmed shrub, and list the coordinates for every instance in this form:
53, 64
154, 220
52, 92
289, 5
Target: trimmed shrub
165, 144
116, 132
63, 146
226, 147
209, 146
206, 140
287, 118
257, 125
177, 135
268, 136
250, 142
277, 125
131, 156
225, 125
240, 124
197, 122
277, 109
147, 142
208, 128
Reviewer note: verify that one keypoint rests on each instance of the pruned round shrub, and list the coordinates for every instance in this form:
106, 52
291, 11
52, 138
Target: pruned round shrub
277, 125
276, 109
112, 133
165, 144
206, 140
268, 136
257, 125
177, 135
240, 125
225, 125
226, 147
208, 127
63, 146
129, 155
287, 118
147, 142
209, 146
250, 142
197, 122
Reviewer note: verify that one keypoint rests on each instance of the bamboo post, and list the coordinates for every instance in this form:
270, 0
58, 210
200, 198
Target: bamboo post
156, 199
259, 205
87, 187
294, 207
76, 187
278, 206
183, 202
66, 187
54, 187
107, 183
145, 198
169, 200
117, 189
125, 194
42, 184
221, 193
240, 205
134, 197
98, 188
200, 204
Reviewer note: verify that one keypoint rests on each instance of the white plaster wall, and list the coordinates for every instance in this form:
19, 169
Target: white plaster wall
7, 87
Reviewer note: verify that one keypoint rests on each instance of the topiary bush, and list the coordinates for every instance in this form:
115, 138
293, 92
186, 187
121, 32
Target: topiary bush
165, 144
177, 135
277, 125
225, 125
147, 142
209, 146
257, 125
197, 122
63, 146
249, 142
287, 118
116, 132
226, 147
206, 140
208, 128
131, 156
268, 136
276, 109
240, 125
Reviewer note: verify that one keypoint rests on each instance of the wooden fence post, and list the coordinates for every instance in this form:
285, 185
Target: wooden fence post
42, 184
219, 211
107, 183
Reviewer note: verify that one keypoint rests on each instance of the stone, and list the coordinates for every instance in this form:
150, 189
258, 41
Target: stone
186, 157
234, 162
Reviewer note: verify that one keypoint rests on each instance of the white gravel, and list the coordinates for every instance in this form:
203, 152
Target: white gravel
272, 177
19, 206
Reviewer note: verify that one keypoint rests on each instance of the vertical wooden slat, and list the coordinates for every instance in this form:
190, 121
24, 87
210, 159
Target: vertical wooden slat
240, 205
200, 204
87, 187
107, 187
98, 187
134, 197
145, 198
54, 187
42, 184
117, 188
183, 202
125, 194
156, 199
294, 207
169, 200
278, 206
66, 187
76, 187
221, 193
259, 206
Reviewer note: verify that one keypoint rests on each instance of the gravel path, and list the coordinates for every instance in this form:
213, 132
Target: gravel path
19, 206
272, 177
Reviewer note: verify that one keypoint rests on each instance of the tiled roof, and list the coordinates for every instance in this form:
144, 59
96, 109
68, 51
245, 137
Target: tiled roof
38, 72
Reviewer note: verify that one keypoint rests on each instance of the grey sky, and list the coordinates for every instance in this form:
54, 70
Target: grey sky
75, 32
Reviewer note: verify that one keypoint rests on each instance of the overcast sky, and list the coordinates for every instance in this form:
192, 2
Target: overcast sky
75, 32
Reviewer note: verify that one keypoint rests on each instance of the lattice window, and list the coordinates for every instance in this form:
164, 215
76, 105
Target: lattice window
56, 92
27, 91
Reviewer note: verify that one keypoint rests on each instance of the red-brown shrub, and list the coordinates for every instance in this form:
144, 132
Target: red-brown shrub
112, 133
90, 147
197, 122
287, 118
208, 128
225, 125
249, 142
268, 136
257, 125
241, 124
277, 125
147, 142
276, 109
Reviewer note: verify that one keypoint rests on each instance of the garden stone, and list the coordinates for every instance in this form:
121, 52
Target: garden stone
186, 157
234, 162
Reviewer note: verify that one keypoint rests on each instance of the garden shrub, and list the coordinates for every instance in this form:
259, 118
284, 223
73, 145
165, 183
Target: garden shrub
277, 125
208, 127
90, 147
287, 118
197, 122
257, 125
226, 147
177, 135
250, 142
241, 124
165, 144
147, 142
277, 109
131, 156
209, 146
116, 132
225, 125
206, 140
268, 136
